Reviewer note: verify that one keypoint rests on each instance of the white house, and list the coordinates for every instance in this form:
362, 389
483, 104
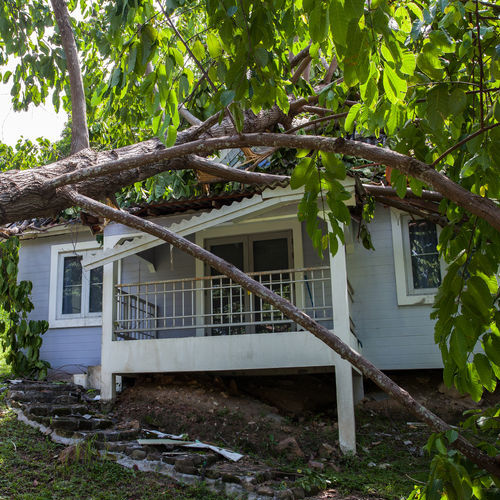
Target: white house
135, 305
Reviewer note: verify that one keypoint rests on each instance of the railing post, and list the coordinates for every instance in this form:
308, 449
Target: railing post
343, 369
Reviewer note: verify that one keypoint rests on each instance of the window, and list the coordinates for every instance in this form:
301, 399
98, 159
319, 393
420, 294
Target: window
417, 264
257, 253
75, 293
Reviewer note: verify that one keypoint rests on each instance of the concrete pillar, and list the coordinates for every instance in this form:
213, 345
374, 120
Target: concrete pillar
343, 369
359, 390
345, 407
108, 387
108, 379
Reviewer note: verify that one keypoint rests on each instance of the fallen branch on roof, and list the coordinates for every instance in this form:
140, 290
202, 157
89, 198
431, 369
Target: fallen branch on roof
290, 311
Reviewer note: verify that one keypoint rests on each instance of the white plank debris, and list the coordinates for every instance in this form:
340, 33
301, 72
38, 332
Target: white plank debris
230, 455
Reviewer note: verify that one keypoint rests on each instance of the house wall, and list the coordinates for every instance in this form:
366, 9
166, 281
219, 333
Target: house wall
393, 337
66, 349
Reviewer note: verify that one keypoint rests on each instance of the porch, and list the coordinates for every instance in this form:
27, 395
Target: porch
211, 323
216, 306
171, 314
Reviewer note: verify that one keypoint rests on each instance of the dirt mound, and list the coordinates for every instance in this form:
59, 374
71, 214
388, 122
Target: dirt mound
221, 411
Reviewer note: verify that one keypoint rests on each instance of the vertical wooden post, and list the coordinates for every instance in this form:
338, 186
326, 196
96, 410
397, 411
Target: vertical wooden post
343, 369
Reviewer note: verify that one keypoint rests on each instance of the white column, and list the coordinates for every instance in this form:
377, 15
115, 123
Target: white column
108, 379
343, 369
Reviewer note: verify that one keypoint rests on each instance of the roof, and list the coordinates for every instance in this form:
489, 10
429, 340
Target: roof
201, 202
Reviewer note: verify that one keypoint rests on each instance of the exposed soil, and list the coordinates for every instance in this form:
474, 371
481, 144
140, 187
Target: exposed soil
283, 421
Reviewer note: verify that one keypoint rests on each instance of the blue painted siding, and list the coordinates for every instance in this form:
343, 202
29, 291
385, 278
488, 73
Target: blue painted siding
67, 349
394, 337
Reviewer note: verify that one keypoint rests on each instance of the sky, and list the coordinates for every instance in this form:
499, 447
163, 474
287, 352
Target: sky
41, 121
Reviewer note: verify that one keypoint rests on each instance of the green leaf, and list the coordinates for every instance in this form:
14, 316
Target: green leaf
214, 46
301, 173
491, 345
451, 435
261, 56
351, 117
171, 136
334, 165
399, 182
485, 371
429, 63
238, 115
394, 86
227, 97
319, 22
338, 22
132, 58
416, 186
458, 348
198, 50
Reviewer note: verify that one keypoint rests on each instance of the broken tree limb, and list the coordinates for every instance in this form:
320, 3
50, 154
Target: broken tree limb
233, 174
411, 209
291, 312
389, 191
475, 204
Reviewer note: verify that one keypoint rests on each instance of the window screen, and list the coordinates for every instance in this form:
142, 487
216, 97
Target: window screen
72, 285
426, 269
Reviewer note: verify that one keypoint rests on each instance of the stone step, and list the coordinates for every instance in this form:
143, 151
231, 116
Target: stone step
116, 435
72, 423
45, 396
51, 410
76, 423
33, 385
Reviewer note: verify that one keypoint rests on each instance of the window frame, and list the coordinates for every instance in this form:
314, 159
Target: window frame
406, 293
85, 318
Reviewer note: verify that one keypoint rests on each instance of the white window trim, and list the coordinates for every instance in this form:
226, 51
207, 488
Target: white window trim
55, 295
402, 265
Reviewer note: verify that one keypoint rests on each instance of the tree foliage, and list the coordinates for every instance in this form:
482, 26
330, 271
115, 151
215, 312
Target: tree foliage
415, 78
21, 338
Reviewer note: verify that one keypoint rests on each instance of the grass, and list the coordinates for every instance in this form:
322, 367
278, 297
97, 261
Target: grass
29, 470
384, 465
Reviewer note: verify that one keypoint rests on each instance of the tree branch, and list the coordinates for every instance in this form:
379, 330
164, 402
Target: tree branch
296, 59
388, 191
407, 207
79, 129
233, 174
290, 311
302, 67
462, 142
477, 205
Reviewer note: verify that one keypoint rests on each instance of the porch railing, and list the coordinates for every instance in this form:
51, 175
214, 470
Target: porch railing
215, 305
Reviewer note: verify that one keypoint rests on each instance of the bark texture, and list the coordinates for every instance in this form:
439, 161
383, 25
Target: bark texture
79, 129
30, 193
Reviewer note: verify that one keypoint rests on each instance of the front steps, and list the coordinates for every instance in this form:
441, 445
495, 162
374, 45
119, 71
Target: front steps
70, 415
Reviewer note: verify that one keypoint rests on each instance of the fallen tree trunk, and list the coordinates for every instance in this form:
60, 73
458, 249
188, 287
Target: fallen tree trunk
32, 191
288, 309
